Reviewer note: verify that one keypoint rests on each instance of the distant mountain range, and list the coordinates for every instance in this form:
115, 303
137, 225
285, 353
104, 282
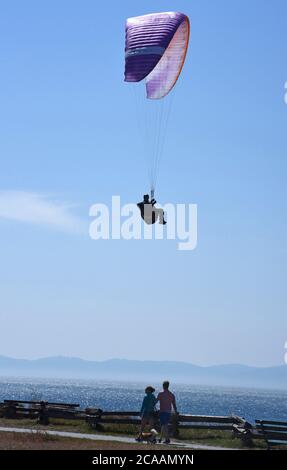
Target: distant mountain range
156, 371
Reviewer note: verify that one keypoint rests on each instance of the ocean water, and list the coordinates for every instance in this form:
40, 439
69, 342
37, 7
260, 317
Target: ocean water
119, 396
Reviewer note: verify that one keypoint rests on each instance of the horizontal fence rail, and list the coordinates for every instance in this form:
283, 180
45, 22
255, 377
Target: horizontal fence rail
33, 402
274, 432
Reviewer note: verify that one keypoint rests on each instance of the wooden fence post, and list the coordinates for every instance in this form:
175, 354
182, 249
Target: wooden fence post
9, 411
43, 414
174, 425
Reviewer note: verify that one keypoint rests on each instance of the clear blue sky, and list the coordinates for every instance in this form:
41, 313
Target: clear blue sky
66, 133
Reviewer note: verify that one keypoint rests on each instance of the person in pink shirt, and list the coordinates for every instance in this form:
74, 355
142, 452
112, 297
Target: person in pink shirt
166, 401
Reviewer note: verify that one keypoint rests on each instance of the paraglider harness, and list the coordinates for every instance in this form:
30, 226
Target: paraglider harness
146, 207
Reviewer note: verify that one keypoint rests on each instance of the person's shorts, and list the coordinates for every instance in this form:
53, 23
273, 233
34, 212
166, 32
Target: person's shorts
164, 417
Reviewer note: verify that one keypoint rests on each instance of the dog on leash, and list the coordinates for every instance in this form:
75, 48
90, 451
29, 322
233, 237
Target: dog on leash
149, 437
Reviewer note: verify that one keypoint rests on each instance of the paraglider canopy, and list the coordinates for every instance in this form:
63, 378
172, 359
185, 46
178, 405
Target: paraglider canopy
155, 50
156, 47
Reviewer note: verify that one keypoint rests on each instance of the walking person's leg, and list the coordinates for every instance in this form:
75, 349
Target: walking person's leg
161, 428
142, 428
143, 425
161, 433
165, 424
166, 432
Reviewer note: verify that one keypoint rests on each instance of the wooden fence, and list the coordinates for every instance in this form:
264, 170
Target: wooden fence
43, 411
177, 423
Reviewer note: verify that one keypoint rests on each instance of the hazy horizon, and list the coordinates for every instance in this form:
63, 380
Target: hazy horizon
114, 358
124, 370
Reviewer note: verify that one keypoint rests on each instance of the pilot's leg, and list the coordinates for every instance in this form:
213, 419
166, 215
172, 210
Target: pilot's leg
161, 216
154, 215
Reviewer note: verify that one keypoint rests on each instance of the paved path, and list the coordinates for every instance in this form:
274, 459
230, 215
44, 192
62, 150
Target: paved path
104, 437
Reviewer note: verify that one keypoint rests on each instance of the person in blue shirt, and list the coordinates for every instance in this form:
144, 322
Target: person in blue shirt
147, 410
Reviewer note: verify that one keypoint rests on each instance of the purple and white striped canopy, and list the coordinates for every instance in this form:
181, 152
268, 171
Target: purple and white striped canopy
156, 47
